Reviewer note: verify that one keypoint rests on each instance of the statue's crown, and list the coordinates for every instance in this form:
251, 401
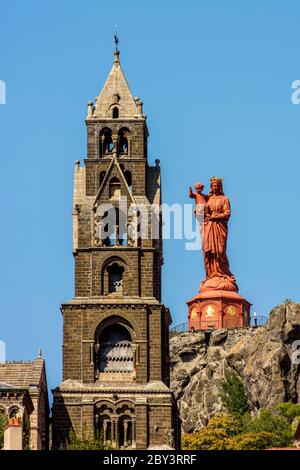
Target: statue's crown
216, 178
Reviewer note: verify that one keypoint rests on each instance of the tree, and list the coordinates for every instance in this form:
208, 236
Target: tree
241, 432
3, 423
233, 393
289, 410
270, 422
252, 441
214, 435
85, 442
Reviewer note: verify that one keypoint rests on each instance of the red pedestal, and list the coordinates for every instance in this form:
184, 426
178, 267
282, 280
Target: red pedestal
218, 309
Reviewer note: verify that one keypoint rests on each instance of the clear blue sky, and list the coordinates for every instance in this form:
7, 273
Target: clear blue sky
215, 78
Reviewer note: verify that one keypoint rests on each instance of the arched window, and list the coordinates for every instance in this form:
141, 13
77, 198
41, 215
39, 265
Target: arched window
106, 143
115, 350
15, 412
115, 112
116, 424
113, 230
101, 177
114, 188
115, 278
128, 178
123, 135
125, 431
105, 429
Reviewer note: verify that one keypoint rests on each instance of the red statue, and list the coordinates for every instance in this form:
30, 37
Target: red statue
217, 213
200, 200
198, 196
218, 305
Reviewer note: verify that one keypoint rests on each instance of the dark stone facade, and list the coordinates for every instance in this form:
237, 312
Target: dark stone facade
116, 330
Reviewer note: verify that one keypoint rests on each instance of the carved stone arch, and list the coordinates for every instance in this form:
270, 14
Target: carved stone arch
115, 313
15, 408
124, 125
125, 257
112, 320
125, 407
113, 259
3, 409
104, 410
106, 127
129, 403
110, 405
111, 107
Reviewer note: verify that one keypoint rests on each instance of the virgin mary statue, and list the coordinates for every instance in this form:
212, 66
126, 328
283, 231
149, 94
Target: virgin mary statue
214, 244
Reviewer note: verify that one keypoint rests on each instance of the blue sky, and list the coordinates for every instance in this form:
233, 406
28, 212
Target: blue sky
215, 78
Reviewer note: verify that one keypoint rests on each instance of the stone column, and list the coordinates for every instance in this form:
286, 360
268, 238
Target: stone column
129, 146
141, 423
102, 149
114, 430
133, 434
115, 145
104, 431
125, 427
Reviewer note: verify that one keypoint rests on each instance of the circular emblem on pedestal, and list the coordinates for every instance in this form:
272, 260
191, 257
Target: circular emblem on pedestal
231, 310
209, 311
193, 314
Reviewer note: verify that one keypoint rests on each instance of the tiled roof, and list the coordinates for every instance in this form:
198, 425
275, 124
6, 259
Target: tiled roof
4, 386
21, 374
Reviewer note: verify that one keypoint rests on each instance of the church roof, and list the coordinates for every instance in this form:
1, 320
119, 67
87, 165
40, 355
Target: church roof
4, 386
116, 93
21, 374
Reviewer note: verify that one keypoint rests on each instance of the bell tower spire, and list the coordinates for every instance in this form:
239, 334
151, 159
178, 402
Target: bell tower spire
116, 92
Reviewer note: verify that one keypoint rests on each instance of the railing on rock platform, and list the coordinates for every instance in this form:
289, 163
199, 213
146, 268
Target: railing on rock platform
259, 320
255, 321
182, 328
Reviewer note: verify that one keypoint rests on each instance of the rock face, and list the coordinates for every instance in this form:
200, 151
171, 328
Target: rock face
265, 357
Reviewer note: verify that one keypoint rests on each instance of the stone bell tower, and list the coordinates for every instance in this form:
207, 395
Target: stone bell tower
116, 330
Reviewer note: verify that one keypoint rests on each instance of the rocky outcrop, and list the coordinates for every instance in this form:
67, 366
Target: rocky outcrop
265, 357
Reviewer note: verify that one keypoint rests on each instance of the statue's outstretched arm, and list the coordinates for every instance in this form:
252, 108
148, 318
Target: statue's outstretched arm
191, 194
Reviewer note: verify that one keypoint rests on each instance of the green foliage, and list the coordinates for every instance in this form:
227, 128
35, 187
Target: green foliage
85, 443
270, 422
241, 432
289, 410
3, 423
26, 440
252, 441
233, 394
214, 435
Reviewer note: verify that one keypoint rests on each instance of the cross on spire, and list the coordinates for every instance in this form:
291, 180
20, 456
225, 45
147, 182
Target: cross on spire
116, 38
